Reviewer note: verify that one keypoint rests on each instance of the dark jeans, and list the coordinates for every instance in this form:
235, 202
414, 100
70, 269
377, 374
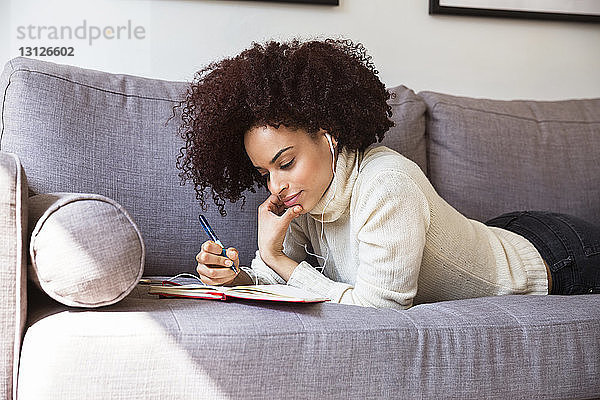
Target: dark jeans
569, 245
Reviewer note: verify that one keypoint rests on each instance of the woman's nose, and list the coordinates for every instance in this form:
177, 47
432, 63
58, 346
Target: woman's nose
276, 186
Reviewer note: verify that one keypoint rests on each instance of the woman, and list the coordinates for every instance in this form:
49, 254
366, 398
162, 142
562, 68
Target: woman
302, 118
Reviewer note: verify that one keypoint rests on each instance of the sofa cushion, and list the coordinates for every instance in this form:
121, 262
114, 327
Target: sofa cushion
86, 131
407, 136
85, 249
487, 157
80, 130
543, 347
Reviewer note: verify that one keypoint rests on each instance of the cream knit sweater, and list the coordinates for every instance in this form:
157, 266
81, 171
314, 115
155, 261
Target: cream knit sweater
391, 241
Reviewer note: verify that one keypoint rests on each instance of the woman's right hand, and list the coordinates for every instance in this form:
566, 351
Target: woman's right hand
213, 268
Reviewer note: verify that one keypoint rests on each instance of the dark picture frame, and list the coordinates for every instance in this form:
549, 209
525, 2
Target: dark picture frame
538, 12
321, 2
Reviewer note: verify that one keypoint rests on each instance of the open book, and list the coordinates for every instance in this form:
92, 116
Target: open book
283, 293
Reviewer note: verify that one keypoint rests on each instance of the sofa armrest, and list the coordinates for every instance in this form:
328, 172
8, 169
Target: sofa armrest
13, 272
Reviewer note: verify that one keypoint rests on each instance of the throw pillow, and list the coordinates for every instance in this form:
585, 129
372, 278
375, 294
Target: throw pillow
85, 250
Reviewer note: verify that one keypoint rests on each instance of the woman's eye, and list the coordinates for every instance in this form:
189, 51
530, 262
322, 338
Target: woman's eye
287, 165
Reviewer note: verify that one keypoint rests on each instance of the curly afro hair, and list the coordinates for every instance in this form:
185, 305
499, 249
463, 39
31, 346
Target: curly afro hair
309, 85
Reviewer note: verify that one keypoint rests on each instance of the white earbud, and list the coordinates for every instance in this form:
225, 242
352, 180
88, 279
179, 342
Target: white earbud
328, 136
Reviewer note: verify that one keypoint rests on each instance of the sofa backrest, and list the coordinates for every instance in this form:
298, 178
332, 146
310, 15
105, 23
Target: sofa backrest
80, 130
487, 157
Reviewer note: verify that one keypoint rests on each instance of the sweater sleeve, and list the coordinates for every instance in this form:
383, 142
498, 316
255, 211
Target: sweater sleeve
390, 214
261, 273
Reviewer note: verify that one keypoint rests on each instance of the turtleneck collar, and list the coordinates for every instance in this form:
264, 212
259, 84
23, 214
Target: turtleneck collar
336, 198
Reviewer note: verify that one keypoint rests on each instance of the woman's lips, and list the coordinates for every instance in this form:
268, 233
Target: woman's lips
291, 200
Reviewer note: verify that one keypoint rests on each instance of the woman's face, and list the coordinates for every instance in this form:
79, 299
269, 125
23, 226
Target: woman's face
297, 167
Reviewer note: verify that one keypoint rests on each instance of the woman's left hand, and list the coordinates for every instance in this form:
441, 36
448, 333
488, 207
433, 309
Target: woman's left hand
273, 222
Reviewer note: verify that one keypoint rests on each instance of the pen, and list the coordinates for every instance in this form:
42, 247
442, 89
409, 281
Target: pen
211, 234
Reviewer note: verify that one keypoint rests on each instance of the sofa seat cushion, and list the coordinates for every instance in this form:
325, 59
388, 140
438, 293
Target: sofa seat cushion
488, 157
85, 250
498, 347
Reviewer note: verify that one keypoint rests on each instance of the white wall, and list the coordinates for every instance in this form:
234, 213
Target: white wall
484, 57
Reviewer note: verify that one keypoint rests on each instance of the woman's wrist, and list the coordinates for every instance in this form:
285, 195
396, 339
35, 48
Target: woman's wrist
282, 264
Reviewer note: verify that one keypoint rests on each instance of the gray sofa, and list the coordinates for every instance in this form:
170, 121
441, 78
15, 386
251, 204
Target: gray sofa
67, 129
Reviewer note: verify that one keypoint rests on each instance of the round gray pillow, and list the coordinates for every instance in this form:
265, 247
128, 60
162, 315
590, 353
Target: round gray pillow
85, 250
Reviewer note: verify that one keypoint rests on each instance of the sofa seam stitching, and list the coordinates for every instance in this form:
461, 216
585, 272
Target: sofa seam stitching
92, 87
434, 106
404, 102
